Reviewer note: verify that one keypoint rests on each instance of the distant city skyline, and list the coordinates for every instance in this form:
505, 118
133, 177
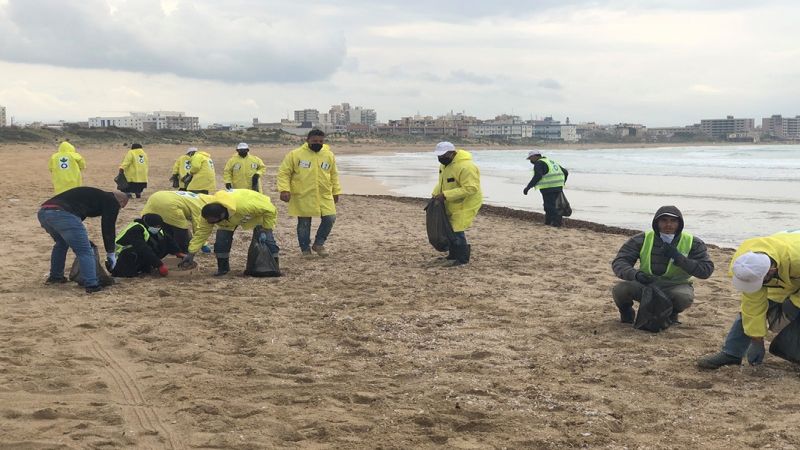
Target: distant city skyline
608, 61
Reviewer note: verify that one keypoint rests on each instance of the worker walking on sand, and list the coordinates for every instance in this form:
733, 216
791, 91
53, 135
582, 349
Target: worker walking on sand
459, 187
549, 178
229, 210
134, 168
668, 258
62, 217
309, 181
766, 270
181, 168
179, 210
243, 171
66, 167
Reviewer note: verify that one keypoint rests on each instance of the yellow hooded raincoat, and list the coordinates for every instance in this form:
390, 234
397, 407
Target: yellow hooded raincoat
246, 209
177, 208
181, 166
312, 179
135, 166
65, 167
204, 177
239, 171
460, 182
784, 249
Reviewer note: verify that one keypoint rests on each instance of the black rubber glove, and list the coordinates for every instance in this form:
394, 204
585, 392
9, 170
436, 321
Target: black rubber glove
755, 353
525, 191
255, 182
187, 179
174, 180
670, 251
228, 186
644, 278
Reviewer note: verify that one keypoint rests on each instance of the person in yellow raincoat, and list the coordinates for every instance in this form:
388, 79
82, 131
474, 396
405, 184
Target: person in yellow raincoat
309, 181
766, 270
459, 187
134, 167
202, 177
181, 168
65, 168
243, 171
229, 210
179, 210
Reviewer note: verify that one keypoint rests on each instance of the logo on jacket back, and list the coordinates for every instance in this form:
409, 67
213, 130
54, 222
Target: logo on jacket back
64, 163
141, 159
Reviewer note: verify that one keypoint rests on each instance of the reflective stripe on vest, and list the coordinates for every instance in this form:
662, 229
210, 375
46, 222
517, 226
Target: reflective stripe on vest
673, 273
554, 176
119, 248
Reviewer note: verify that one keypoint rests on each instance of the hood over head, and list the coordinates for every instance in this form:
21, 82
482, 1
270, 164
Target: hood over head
668, 210
66, 147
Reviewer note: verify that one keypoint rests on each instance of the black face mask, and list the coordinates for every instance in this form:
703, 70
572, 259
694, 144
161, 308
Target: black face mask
315, 147
241, 153
445, 159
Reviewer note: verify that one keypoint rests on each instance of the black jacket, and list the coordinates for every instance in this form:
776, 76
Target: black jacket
86, 202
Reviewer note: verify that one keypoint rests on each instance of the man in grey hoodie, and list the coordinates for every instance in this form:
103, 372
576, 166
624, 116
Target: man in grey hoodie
668, 258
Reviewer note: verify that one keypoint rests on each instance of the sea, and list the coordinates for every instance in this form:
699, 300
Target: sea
726, 193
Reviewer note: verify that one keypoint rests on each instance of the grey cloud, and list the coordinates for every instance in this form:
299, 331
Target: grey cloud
549, 83
193, 42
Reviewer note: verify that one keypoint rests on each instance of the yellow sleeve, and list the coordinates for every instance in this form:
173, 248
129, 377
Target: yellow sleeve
127, 161
262, 169
469, 181
227, 172
176, 168
81, 162
285, 173
336, 188
195, 161
437, 189
201, 234
52, 164
754, 313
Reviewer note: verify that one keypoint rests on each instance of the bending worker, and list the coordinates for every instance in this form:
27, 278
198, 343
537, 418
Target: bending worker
668, 257
140, 247
243, 171
549, 178
230, 210
459, 187
179, 210
766, 270
65, 167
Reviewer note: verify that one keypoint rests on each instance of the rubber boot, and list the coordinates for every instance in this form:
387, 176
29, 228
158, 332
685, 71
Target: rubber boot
223, 267
450, 255
461, 253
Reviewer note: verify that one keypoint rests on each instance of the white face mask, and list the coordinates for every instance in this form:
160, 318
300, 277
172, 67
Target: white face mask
667, 237
153, 230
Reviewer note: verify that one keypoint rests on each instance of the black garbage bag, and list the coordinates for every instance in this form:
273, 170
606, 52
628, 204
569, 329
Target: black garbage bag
654, 310
102, 275
562, 205
260, 261
440, 232
122, 182
786, 344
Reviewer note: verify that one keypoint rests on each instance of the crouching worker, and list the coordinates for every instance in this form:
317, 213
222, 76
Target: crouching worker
459, 188
668, 259
766, 270
230, 210
140, 247
178, 210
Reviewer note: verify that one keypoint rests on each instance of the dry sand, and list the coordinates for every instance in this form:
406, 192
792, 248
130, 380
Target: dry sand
377, 346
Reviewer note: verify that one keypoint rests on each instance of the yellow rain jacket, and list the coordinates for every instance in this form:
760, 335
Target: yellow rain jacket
135, 166
460, 182
239, 171
181, 166
177, 208
784, 249
246, 209
204, 178
65, 167
312, 179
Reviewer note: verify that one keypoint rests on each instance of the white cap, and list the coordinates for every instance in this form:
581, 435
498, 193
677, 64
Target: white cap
749, 271
191, 149
533, 153
443, 147
242, 146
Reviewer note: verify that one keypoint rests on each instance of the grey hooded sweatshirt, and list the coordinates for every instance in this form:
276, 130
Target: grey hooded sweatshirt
696, 264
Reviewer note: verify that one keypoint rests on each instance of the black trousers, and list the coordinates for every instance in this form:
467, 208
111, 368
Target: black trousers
551, 215
129, 265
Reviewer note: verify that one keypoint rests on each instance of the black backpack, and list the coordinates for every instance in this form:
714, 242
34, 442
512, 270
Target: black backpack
440, 232
654, 310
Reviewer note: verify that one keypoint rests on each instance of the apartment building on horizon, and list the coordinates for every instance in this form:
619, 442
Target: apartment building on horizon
721, 128
781, 127
2, 116
157, 120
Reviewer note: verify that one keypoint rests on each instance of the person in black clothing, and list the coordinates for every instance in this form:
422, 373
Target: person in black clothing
140, 247
549, 178
62, 217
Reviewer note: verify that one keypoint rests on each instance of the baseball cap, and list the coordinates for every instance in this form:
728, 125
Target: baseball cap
242, 146
191, 149
443, 147
533, 153
749, 271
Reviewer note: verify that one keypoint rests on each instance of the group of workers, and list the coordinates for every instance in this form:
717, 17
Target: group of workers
766, 270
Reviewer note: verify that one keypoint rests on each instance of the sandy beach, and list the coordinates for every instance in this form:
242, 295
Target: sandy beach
377, 346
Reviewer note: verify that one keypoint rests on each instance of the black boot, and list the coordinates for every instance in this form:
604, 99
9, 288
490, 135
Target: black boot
461, 253
450, 255
223, 266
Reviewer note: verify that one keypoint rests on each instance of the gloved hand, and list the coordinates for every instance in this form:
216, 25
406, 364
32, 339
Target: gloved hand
163, 270
670, 251
262, 237
188, 261
180, 255
111, 260
525, 191
254, 182
755, 353
228, 186
174, 180
644, 278
187, 179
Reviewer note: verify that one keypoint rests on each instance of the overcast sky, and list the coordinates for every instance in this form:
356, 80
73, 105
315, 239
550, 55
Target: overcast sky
659, 63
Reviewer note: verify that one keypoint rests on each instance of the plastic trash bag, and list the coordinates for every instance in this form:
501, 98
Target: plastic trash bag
440, 232
654, 310
103, 277
260, 261
122, 182
562, 205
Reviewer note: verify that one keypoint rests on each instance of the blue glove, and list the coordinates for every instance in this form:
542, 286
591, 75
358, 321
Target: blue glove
187, 261
755, 353
111, 260
262, 237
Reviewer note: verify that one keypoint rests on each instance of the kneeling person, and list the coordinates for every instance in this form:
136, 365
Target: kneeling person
140, 247
230, 210
668, 258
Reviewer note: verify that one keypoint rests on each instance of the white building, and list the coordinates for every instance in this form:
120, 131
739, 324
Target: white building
306, 115
721, 128
781, 127
2, 116
157, 120
553, 130
510, 127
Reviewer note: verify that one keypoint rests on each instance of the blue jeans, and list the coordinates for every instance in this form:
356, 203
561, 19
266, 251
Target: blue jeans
68, 231
736, 342
304, 231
